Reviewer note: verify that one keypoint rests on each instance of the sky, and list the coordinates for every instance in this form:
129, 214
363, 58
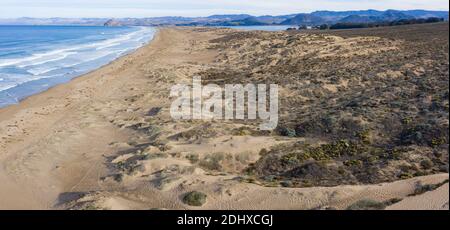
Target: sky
156, 8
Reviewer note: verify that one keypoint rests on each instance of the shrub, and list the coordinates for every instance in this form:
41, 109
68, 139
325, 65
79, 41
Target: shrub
154, 156
424, 134
287, 184
193, 158
213, 162
324, 152
367, 204
287, 132
353, 162
421, 188
242, 131
435, 142
118, 177
364, 136
426, 164
194, 198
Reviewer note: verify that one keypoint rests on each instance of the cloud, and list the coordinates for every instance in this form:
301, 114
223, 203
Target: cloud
152, 8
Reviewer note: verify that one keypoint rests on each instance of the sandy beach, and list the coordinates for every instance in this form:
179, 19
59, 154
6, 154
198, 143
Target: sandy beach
106, 140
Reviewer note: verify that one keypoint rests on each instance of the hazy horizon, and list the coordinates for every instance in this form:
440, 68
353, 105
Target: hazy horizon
11, 9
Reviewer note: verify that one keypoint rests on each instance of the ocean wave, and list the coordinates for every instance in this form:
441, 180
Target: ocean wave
67, 62
42, 70
49, 56
15, 80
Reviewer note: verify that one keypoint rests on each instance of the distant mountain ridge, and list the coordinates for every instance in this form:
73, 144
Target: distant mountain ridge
386, 16
304, 19
314, 18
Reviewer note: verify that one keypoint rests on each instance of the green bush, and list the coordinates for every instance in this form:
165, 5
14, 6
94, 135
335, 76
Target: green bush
287, 132
195, 198
367, 204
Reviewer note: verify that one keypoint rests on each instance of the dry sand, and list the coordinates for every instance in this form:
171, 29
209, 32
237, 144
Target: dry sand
58, 148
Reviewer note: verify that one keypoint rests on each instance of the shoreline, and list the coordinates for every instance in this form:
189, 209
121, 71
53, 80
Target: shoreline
40, 100
105, 140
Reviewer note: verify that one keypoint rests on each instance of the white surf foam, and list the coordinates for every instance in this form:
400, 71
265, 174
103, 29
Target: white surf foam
46, 64
55, 55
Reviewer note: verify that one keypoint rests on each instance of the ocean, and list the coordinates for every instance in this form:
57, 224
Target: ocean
35, 58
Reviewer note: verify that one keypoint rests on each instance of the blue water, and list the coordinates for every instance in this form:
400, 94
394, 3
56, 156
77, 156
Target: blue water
34, 58
263, 28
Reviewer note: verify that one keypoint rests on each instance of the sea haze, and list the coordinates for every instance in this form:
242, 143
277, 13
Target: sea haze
34, 58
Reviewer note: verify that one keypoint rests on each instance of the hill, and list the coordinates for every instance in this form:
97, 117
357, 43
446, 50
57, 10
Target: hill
314, 18
304, 19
